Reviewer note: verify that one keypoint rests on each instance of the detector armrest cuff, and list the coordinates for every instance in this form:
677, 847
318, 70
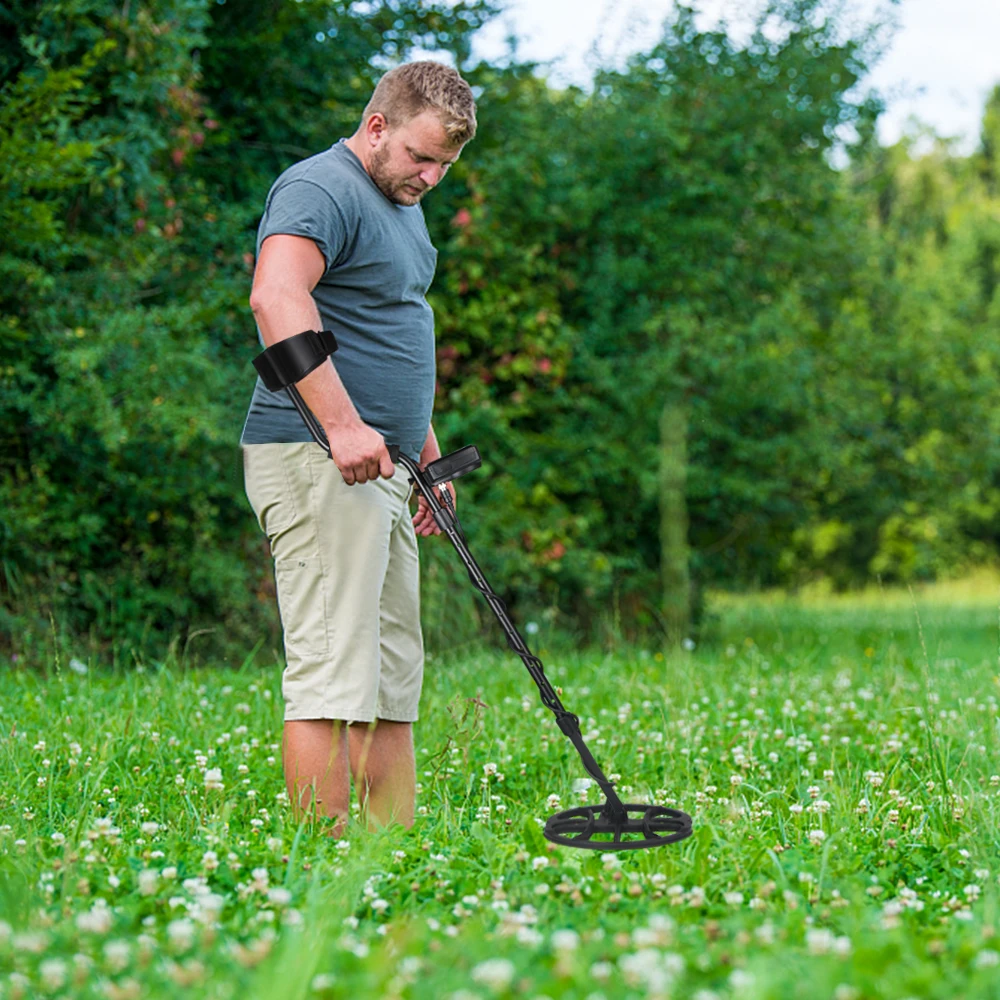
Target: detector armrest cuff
291, 360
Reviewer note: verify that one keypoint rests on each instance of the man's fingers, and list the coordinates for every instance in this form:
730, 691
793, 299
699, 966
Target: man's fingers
385, 466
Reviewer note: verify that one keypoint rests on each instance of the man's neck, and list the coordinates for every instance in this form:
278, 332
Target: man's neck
357, 146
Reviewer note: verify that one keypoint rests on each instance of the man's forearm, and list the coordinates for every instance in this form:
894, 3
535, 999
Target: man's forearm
430, 450
322, 389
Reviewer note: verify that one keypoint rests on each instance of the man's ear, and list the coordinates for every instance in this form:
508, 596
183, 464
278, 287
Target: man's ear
376, 128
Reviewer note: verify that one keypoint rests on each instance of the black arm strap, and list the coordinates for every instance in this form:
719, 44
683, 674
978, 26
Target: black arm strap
290, 360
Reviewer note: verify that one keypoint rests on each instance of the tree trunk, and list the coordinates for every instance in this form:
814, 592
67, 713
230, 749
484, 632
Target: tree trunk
674, 553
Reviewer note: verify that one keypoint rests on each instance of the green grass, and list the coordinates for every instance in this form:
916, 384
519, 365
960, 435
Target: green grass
838, 756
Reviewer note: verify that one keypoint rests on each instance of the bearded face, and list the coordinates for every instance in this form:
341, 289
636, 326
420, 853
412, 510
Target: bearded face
411, 159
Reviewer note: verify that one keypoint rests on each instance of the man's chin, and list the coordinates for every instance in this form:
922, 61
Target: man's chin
406, 196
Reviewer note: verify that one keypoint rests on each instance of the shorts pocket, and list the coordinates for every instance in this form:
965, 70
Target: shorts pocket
268, 489
302, 605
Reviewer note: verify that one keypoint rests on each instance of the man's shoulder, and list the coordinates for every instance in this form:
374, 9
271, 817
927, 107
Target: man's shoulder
330, 171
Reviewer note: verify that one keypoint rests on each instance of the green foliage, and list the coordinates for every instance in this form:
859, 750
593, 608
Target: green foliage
677, 235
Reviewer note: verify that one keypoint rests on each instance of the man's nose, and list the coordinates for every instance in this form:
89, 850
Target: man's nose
432, 174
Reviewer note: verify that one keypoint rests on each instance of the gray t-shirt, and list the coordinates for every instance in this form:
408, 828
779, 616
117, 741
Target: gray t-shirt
379, 265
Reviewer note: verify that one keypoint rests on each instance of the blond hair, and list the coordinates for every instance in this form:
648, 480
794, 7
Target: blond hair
406, 91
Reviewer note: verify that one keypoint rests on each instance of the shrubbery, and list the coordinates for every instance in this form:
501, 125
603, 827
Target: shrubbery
674, 240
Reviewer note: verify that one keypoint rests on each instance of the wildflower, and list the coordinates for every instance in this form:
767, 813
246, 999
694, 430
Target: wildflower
733, 898
34, 941
279, 896
150, 829
116, 954
180, 933
816, 837
496, 973
986, 959
58, 838
540, 862
97, 920
323, 982
147, 880
213, 779
52, 973
565, 940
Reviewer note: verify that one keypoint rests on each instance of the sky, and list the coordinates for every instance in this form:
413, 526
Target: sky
941, 64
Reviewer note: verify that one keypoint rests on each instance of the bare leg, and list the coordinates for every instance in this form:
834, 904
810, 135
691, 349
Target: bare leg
384, 770
315, 760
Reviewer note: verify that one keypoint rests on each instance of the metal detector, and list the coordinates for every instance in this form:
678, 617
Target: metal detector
615, 825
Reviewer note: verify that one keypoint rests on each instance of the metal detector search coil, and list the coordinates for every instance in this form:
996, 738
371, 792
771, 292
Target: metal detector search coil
614, 826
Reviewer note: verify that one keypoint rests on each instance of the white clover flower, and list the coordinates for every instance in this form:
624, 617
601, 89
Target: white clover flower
117, 955
496, 973
323, 982
489, 769
565, 940
170, 872
180, 933
149, 828
279, 896
740, 980
540, 862
380, 905
816, 837
52, 973
213, 779
601, 971
97, 920
553, 801
529, 936
147, 879
733, 898
33, 941
986, 959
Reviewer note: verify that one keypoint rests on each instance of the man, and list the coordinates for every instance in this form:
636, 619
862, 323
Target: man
343, 246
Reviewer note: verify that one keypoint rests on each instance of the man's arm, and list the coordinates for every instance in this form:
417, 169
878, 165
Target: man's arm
430, 450
287, 271
423, 521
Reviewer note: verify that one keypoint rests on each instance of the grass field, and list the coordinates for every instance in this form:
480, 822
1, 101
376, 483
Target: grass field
840, 758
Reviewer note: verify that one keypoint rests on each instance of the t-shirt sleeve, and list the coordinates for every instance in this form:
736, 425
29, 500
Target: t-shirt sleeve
301, 208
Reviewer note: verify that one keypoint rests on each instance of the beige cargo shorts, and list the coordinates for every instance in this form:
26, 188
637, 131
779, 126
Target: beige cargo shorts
348, 581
